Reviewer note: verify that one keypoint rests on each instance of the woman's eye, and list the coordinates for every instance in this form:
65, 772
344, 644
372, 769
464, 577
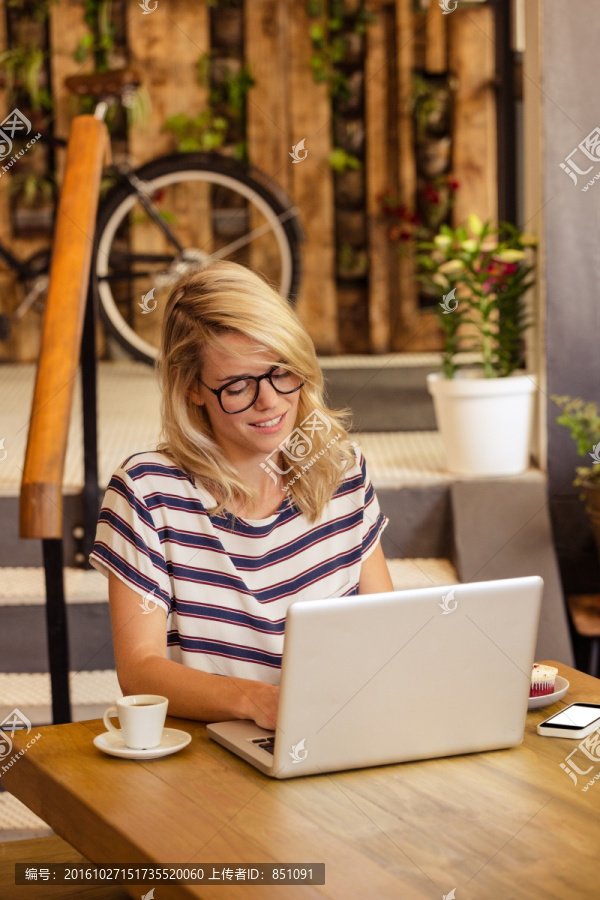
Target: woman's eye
281, 373
237, 388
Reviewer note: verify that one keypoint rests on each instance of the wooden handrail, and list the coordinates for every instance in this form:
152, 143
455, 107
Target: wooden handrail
41, 485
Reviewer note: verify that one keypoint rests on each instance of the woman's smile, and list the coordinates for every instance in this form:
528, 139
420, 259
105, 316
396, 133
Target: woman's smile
270, 426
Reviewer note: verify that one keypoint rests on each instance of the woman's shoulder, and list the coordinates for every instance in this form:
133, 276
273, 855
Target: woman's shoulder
357, 468
149, 468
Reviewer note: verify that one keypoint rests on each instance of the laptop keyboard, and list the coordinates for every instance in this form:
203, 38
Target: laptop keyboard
267, 743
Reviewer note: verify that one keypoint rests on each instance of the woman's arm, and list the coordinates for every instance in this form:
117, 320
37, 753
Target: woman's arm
143, 668
374, 574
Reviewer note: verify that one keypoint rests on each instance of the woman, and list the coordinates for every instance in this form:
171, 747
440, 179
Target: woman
255, 498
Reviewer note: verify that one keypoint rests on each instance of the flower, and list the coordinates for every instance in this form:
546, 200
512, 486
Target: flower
499, 272
475, 225
430, 194
529, 240
490, 267
451, 266
510, 256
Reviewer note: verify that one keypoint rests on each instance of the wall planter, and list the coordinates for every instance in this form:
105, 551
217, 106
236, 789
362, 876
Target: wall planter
350, 188
485, 423
227, 27
433, 156
350, 224
30, 222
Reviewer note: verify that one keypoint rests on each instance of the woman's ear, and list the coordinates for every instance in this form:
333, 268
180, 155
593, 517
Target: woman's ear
195, 397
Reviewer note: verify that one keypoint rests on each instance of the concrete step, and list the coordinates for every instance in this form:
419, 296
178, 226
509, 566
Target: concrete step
17, 822
91, 693
26, 586
502, 530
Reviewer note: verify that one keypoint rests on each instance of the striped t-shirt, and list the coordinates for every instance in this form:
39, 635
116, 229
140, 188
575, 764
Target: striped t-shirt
226, 586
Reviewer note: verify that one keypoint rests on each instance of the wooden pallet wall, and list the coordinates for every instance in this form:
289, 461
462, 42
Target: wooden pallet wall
286, 106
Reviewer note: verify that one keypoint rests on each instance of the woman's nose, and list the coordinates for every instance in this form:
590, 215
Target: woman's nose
267, 395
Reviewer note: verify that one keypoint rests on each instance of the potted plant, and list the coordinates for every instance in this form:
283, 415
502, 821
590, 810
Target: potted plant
583, 422
484, 409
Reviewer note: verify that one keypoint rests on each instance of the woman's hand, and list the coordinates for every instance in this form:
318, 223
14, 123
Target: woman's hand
262, 706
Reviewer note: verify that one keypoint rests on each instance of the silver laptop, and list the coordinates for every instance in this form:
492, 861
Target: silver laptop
374, 679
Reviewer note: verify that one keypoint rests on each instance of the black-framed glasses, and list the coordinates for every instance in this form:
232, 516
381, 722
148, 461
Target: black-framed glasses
241, 393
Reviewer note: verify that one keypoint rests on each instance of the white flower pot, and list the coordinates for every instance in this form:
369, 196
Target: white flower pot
485, 423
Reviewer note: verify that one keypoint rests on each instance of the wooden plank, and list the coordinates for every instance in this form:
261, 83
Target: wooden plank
265, 54
312, 191
7, 281
23, 345
475, 154
165, 48
378, 164
436, 59
5, 230
408, 317
66, 28
533, 215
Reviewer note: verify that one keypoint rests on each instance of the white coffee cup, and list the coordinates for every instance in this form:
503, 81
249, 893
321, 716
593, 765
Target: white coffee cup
142, 718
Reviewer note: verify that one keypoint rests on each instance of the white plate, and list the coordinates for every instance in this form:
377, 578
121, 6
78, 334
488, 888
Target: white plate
172, 741
561, 686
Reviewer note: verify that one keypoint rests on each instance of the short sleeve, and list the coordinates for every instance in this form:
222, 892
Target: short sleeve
373, 521
127, 542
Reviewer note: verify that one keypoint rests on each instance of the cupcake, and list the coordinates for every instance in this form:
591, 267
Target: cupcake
542, 680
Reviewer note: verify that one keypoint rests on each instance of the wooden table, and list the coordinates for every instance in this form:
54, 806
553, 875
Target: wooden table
503, 824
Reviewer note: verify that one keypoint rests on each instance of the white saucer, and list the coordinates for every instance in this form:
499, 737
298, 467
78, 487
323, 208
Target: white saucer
172, 741
561, 686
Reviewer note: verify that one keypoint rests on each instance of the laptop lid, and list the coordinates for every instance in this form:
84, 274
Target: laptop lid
382, 678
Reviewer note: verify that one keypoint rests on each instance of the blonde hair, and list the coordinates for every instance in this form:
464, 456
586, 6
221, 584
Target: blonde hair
204, 306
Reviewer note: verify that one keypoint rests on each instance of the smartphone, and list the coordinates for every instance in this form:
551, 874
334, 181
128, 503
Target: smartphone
574, 721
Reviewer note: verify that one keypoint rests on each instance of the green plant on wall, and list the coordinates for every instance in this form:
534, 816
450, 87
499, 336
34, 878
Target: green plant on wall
22, 68
340, 161
430, 104
193, 133
331, 28
226, 112
38, 10
330, 25
34, 189
100, 40
228, 95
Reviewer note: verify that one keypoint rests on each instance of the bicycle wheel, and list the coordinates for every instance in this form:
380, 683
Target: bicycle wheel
178, 214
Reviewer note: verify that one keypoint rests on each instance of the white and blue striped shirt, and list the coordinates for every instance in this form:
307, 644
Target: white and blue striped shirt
227, 589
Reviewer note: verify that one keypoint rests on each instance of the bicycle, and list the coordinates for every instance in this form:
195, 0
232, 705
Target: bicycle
170, 216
